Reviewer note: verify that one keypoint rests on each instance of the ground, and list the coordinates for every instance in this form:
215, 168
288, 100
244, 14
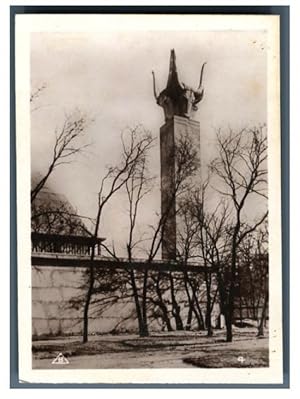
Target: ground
178, 349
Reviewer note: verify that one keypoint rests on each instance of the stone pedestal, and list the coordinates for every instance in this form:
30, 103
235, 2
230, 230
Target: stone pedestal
171, 133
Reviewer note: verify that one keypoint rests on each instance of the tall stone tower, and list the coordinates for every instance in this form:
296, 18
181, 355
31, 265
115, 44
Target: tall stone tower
179, 103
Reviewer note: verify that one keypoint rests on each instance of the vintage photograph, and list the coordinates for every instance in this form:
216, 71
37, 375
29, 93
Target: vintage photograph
152, 161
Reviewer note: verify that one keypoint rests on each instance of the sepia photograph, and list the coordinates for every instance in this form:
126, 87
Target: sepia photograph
148, 198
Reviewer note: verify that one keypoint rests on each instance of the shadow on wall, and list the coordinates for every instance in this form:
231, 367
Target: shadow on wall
58, 295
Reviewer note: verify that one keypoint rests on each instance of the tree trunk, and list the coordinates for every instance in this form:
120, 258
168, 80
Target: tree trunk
231, 295
189, 319
229, 314
260, 332
87, 304
162, 305
208, 320
137, 302
228, 322
230, 307
145, 331
252, 287
191, 304
175, 306
222, 295
241, 310
198, 312
208, 306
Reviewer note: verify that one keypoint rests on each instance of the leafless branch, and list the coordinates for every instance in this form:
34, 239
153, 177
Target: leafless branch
67, 145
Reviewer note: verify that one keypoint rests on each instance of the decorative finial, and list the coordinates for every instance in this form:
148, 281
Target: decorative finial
178, 98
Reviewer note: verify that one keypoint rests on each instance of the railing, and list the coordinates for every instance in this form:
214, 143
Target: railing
65, 244
70, 250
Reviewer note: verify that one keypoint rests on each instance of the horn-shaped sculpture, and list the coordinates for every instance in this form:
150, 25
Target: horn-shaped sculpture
201, 74
178, 98
154, 86
199, 93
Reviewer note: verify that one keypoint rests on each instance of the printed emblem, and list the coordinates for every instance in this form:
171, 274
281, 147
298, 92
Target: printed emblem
60, 359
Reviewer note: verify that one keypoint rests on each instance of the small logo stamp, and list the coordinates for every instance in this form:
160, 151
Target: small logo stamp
60, 359
241, 359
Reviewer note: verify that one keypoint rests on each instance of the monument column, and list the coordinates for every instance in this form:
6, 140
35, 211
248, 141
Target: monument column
179, 102
170, 135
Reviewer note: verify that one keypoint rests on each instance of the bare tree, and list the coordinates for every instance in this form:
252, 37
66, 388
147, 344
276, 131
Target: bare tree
205, 239
34, 96
134, 150
157, 288
50, 215
249, 286
187, 250
262, 267
138, 185
241, 169
68, 143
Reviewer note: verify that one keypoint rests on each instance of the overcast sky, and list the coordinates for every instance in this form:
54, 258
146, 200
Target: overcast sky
107, 75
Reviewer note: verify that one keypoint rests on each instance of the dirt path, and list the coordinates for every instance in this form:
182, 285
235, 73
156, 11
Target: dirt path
163, 350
